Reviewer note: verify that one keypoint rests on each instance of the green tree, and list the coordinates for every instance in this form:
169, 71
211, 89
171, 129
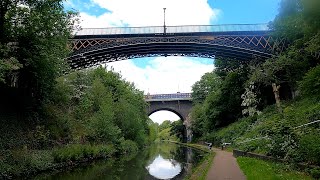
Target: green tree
310, 85
33, 42
284, 69
200, 90
224, 106
198, 126
164, 125
225, 66
153, 130
220, 93
177, 129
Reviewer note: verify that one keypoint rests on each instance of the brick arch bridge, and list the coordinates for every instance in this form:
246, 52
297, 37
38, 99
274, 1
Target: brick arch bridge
179, 103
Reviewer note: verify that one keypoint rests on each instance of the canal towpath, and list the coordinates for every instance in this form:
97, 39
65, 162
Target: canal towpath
224, 167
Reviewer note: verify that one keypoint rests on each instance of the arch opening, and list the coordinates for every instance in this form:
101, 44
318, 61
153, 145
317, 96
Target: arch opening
161, 115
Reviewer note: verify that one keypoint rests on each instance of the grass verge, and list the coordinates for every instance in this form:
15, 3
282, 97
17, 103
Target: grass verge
201, 170
267, 170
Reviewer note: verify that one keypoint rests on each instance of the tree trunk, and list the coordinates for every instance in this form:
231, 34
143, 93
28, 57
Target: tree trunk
277, 95
3, 10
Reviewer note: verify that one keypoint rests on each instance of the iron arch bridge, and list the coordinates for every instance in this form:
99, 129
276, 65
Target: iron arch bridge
101, 45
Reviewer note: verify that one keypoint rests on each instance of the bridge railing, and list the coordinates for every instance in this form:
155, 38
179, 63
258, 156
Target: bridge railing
173, 29
169, 96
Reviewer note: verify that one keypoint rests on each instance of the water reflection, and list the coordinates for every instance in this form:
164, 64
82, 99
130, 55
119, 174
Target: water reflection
159, 161
164, 168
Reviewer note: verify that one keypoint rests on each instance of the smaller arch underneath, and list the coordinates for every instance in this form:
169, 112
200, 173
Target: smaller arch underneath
167, 109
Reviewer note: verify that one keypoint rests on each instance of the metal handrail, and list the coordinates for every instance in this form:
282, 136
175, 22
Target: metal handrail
168, 96
172, 29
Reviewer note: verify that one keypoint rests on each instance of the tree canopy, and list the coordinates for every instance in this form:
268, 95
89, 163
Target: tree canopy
241, 88
33, 45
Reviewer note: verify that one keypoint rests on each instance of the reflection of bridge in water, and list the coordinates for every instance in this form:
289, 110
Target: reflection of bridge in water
94, 46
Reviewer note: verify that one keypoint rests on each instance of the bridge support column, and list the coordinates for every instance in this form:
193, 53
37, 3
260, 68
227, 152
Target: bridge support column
187, 124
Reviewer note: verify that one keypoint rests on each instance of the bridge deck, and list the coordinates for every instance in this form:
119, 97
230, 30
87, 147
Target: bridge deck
173, 29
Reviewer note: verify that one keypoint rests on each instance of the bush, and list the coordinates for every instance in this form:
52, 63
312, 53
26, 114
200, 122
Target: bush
18, 161
258, 146
310, 85
232, 132
310, 148
77, 152
315, 172
284, 142
127, 146
104, 150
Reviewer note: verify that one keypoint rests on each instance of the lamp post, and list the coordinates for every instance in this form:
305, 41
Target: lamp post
164, 20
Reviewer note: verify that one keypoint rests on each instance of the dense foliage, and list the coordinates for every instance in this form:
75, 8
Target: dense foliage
244, 92
170, 131
92, 114
33, 45
33, 42
100, 107
222, 104
50, 114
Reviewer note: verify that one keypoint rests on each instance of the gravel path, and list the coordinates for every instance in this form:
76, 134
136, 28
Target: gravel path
225, 166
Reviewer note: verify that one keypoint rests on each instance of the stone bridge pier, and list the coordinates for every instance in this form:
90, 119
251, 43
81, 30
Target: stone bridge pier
180, 104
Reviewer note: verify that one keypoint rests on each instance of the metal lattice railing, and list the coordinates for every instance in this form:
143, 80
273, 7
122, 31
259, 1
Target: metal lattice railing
169, 96
173, 29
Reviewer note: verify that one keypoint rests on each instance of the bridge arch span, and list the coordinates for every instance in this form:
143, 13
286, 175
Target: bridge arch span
244, 42
167, 109
179, 103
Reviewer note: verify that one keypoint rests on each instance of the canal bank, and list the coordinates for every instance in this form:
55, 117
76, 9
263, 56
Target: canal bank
158, 161
28, 163
201, 170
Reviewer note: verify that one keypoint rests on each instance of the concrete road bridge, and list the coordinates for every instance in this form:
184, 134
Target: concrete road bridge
178, 103
94, 46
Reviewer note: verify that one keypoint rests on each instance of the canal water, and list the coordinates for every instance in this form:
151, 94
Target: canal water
159, 161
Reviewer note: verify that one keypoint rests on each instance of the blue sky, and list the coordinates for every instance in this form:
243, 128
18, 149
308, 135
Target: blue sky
232, 11
246, 11
169, 74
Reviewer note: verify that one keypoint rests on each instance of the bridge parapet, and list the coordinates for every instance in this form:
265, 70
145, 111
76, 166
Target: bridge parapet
168, 97
173, 29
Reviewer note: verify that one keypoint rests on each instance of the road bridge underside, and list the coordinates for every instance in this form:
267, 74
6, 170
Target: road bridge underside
89, 51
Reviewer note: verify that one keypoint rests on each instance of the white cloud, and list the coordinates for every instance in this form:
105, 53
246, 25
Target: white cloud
164, 168
161, 116
105, 20
150, 13
163, 74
